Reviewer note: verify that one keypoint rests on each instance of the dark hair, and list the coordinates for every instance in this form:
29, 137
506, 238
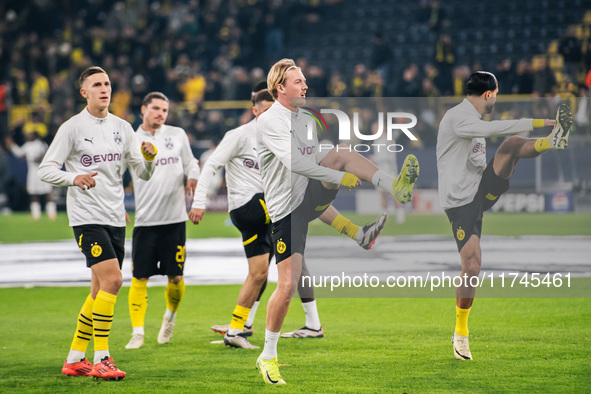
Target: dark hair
480, 82
88, 72
257, 88
154, 95
263, 95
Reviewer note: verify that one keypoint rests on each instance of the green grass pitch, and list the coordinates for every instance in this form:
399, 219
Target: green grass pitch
370, 345
20, 227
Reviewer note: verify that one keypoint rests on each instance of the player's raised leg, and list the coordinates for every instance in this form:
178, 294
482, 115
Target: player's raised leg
365, 236
401, 185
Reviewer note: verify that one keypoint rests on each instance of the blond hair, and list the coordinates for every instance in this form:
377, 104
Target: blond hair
278, 73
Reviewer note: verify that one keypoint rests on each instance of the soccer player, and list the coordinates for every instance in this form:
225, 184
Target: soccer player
249, 214
468, 186
300, 183
33, 151
95, 147
159, 234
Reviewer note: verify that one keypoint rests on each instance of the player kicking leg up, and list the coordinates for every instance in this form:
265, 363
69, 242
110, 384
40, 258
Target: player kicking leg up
468, 186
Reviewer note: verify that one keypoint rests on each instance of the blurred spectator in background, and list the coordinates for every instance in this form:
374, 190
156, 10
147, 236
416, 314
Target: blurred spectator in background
359, 84
543, 79
523, 81
570, 47
411, 83
445, 60
4, 182
33, 151
381, 56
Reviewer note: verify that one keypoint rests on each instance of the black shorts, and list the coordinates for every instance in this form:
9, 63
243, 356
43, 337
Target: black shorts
282, 239
154, 244
289, 233
467, 219
252, 219
100, 242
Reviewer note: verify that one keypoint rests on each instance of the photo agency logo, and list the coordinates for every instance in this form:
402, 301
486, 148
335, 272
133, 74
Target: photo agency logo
388, 124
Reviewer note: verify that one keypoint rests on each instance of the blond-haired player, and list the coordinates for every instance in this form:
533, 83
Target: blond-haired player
300, 183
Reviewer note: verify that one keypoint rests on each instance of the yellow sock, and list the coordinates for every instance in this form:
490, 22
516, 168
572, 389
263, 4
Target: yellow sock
102, 315
345, 226
542, 145
174, 294
239, 317
462, 321
84, 326
138, 301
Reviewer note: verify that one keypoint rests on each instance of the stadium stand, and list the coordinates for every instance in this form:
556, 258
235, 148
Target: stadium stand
205, 54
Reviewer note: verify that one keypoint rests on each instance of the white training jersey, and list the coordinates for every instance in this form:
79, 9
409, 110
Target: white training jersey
161, 200
237, 152
286, 143
87, 144
33, 152
461, 151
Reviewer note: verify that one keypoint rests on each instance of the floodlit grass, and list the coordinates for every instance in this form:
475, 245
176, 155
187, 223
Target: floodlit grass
20, 227
371, 345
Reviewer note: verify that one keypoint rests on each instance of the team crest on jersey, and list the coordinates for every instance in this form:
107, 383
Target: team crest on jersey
460, 234
117, 137
281, 247
96, 250
168, 143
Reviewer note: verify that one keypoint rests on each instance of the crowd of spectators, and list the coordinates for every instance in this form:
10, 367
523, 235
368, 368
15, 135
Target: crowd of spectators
198, 51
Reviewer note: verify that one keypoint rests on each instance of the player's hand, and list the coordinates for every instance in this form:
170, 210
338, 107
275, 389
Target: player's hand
127, 219
85, 181
549, 122
149, 150
190, 188
196, 215
349, 180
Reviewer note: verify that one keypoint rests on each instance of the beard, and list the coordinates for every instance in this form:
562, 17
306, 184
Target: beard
488, 108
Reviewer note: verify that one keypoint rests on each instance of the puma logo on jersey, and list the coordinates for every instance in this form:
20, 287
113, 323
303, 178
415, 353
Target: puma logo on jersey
89, 140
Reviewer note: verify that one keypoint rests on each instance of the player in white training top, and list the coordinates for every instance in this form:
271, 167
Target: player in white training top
468, 186
159, 233
96, 147
33, 151
300, 183
248, 212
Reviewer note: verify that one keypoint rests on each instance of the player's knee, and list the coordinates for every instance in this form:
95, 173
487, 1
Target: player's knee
511, 145
472, 266
336, 158
175, 279
112, 284
259, 276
